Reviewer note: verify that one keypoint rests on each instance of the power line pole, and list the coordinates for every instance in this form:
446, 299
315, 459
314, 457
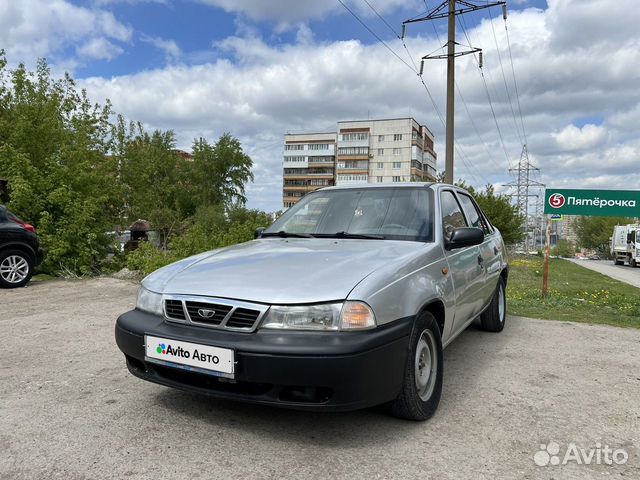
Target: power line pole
451, 72
449, 9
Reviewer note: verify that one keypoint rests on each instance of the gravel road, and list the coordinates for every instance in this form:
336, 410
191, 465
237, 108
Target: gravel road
70, 410
623, 273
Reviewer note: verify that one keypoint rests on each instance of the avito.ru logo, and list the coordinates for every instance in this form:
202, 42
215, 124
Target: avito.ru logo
556, 200
161, 348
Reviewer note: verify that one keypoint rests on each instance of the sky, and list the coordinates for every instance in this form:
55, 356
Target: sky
259, 69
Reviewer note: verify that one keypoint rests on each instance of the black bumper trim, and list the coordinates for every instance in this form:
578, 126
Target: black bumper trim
335, 370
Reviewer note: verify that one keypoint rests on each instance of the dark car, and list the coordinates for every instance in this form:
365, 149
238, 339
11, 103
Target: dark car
20, 251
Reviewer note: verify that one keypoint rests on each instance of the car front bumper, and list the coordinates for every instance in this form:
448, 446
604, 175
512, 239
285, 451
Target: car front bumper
330, 371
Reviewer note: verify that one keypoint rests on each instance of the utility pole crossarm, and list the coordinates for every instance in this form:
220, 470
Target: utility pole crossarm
438, 12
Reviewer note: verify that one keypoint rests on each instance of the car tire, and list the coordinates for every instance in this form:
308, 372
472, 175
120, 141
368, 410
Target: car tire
618, 262
493, 318
422, 382
16, 269
633, 263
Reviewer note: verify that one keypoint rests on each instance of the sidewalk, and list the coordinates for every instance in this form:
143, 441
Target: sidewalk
623, 273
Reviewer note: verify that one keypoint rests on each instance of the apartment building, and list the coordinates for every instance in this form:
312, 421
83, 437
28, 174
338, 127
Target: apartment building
361, 151
309, 164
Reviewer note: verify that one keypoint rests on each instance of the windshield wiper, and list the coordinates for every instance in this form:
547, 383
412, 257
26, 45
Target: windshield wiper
284, 234
349, 235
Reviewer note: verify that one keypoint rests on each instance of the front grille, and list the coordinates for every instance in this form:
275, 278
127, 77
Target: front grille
174, 309
214, 312
195, 310
243, 318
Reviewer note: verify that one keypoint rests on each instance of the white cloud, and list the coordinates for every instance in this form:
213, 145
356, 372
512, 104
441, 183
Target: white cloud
30, 29
574, 138
99, 49
169, 47
287, 12
263, 91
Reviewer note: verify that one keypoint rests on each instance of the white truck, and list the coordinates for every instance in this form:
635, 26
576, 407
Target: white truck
625, 244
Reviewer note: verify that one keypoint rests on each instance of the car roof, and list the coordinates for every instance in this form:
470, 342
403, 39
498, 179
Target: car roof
431, 185
380, 185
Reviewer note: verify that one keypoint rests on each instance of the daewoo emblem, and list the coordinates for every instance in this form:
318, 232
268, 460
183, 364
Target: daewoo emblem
206, 313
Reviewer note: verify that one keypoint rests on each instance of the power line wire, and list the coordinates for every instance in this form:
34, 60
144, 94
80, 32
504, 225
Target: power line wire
486, 89
515, 83
504, 78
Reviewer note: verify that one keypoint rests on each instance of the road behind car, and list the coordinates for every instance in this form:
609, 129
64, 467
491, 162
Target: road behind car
69, 408
622, 273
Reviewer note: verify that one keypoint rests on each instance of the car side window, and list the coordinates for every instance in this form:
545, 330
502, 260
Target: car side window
472, 213
452, 216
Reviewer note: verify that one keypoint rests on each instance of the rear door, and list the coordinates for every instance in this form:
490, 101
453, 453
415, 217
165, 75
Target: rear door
465, 271
490, 249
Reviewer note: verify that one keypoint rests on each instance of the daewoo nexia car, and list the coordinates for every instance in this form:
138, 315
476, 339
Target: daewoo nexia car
345, 302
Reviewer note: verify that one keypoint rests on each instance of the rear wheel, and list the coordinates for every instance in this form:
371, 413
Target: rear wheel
492, 319
633, 263
422, 384
16, 269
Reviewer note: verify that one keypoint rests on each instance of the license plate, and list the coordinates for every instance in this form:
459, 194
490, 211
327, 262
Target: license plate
190, 356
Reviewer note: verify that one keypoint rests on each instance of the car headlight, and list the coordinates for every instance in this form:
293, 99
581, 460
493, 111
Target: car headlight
149, 301
329, 316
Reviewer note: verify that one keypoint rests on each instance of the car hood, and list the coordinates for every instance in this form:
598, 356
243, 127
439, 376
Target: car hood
281, 271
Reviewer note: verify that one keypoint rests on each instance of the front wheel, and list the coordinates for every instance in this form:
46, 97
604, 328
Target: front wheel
16, 269
422, 383
492, 319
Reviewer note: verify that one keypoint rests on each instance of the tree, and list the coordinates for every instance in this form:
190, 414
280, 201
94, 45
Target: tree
220, 171
53, 146
595, 232
500, 211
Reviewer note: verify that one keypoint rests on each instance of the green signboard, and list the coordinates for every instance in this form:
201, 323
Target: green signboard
602, 203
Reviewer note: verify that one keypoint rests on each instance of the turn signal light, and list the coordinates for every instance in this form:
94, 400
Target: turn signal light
357, 316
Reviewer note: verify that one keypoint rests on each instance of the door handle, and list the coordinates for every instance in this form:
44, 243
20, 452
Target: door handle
495, 250
480, 261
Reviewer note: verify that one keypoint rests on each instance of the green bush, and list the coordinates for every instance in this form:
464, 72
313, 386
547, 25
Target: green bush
210, 228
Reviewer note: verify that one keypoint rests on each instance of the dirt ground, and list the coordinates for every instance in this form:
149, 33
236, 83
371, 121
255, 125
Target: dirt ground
69, 409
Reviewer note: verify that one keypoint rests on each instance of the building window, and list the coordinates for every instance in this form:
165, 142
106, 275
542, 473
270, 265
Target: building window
352, 178
414, 135
381, 151
397, 137
294, 159
353, 151
298, 146
396, 151
318, 146
346, 137
381, 138
379, 179
397, 179
397, 165
320, 159
380, 164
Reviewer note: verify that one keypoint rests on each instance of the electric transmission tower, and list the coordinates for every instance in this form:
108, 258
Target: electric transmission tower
449, 9
522, 185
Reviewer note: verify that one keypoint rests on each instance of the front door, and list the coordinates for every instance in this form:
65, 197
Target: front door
465, 266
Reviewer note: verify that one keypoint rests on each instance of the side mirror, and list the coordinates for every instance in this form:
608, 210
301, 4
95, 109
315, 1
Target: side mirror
465, 237
258, 232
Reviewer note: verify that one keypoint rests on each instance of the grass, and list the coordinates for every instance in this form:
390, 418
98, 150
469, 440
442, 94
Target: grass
575, 293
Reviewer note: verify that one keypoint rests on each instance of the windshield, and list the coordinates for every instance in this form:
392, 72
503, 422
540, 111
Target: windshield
386, 213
